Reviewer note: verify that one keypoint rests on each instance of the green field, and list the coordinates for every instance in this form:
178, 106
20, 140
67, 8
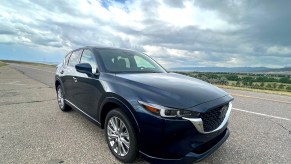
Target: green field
279, 83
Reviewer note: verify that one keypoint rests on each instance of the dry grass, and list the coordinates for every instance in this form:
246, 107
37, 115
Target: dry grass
28, 63
255, 90
2, 64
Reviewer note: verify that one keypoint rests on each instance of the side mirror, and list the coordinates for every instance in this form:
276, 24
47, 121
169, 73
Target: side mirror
84, 68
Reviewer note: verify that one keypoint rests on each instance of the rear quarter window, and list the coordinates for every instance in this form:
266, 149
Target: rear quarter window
75, 58
66, 60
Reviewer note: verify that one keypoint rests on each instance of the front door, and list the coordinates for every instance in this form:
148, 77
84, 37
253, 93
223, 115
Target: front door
89, 87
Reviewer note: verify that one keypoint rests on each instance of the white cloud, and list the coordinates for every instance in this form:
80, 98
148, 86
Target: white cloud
176, 33
281, 50
192, 15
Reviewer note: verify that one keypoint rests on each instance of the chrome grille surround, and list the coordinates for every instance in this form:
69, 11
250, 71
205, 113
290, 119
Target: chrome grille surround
199, 124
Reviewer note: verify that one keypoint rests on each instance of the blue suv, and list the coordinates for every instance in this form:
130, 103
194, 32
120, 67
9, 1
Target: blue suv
145, 110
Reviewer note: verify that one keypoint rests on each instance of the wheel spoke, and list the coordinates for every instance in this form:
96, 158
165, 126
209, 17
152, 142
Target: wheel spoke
112, 124
122, 126
126, 143
119, 148
117, 123
112, 136
115, 146
122, 150
125, 135
110, 130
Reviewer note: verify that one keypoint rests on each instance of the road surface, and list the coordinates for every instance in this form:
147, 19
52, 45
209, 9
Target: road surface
34, 130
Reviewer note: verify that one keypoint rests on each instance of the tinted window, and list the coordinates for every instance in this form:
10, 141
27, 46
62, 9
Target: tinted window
67, 58
123, 61
88, 57
75, 58
141, 62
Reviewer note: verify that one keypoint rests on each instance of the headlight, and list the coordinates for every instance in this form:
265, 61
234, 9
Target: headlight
168, 112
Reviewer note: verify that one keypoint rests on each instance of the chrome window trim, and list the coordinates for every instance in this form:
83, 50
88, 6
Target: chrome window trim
198, 122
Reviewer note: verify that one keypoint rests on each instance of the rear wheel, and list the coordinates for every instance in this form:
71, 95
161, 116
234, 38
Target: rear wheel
120, 136
61, 101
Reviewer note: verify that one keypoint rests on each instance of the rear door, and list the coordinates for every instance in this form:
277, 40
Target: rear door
89, 87
70, 75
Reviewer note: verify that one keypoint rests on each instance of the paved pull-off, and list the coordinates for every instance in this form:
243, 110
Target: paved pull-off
34, 130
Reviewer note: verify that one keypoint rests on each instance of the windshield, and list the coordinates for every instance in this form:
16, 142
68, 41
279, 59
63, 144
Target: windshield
124, 61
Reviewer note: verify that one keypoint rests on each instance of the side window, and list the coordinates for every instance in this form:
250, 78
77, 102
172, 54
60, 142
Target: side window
66, 60
88, 57
127, 63
75, 58
141, 62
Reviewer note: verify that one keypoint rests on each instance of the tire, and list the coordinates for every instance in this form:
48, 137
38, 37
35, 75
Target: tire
61, 101
122, 140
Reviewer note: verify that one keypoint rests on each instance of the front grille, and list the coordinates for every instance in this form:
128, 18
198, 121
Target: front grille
213, 118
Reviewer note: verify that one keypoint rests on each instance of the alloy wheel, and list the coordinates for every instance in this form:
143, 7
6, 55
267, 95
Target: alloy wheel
118, 136
61, 98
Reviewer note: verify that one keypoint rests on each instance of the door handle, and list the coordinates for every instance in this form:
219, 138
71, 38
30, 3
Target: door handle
75, 79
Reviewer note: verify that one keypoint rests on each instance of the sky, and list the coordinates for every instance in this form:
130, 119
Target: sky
176, 33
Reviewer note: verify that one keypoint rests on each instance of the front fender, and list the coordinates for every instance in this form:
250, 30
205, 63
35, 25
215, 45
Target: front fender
122, 103
58, 79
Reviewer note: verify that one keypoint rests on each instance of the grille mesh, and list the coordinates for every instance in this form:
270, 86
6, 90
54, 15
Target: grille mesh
212, 118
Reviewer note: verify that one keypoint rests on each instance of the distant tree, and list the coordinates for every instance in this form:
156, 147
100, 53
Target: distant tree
268, 86
232, 77
237, 83
223, 80
256, 85
285, 80
204, 78
281, 86
262, 84
248, 79
288, 88
245, 83
275, 85
266, 79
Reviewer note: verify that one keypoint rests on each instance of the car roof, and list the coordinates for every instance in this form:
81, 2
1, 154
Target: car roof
103, 47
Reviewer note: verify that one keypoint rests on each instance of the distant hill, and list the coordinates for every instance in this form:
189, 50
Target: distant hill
232, 69
220, 69
285, 69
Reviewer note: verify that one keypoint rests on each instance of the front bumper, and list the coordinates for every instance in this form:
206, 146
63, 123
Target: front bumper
163, 140
198, 153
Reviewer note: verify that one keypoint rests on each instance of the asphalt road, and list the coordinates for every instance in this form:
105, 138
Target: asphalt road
34, 130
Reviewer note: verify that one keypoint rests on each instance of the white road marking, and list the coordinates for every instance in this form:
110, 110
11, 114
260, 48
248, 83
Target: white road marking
261, 114
33, 68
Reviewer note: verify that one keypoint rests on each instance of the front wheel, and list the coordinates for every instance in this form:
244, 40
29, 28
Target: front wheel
120, 136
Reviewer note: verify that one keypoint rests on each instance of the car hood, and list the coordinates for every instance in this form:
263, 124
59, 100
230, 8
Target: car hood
171, 89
